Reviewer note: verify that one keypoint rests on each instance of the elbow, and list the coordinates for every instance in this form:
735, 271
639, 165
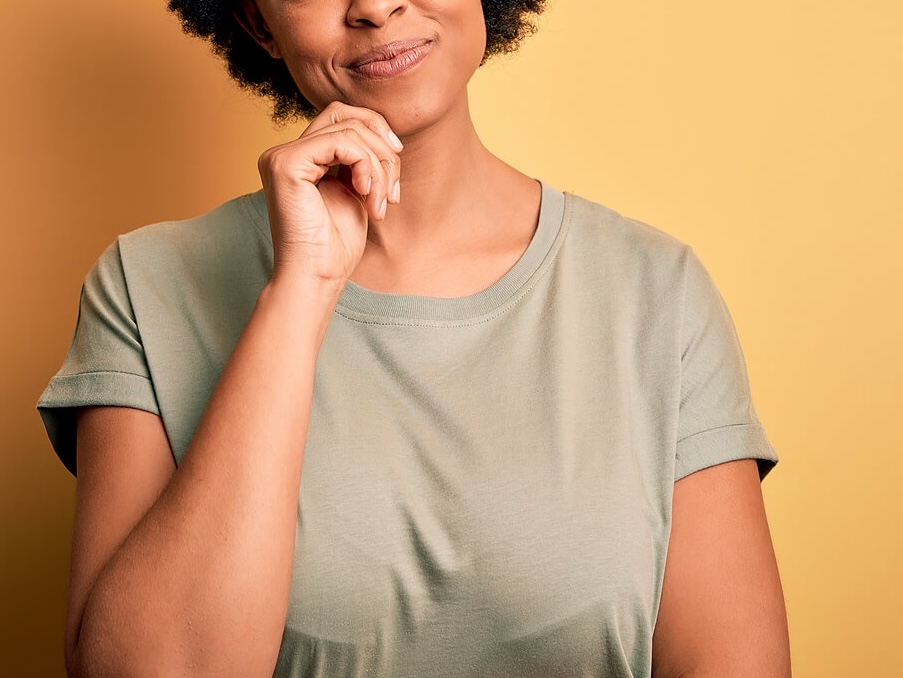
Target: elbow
104, 653
82, 664
71, 655
87, 658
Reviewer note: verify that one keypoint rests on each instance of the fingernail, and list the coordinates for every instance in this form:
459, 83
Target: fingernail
394, 141
396, 192
382, 209
369, 185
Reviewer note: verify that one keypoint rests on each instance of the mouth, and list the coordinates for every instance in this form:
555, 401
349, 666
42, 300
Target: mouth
387, 61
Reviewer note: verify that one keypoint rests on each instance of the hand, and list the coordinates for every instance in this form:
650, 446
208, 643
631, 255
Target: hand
319, 218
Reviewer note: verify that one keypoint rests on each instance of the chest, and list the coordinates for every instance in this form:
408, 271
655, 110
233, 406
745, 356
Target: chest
471, 500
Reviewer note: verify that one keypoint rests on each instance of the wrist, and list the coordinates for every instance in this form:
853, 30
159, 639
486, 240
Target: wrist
301, 301
303, 287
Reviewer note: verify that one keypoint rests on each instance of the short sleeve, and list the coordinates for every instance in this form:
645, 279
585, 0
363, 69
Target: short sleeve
717, 420
105, 365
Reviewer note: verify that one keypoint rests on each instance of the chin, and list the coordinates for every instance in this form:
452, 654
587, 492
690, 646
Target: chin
411, 112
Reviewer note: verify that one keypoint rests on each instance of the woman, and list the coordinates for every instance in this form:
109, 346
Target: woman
511, 405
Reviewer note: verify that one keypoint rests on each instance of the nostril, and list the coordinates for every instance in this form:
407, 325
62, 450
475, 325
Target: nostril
363, 22
373, 13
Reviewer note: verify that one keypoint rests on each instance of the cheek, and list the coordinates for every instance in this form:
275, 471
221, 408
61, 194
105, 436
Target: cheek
462, 18
306, 52
311, 76
312, 84
473, 29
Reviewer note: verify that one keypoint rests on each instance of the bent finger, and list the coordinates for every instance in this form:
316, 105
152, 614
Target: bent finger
338, 112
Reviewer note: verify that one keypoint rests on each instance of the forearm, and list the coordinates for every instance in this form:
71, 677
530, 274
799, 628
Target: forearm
200, 586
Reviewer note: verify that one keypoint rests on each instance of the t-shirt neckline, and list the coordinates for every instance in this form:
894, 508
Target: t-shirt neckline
362, 304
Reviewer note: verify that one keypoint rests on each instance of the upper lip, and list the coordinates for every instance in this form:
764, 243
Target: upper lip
386, 52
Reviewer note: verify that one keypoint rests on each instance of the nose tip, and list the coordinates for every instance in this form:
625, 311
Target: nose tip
374, 13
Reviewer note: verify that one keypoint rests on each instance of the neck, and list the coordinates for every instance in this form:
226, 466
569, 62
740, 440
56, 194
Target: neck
461, 208
443, 169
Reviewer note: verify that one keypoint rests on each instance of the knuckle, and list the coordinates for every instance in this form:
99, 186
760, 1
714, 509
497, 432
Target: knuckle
375, 117
334, 108
362, 116
267, 160
281, 166
357, 125
350, 134
277, 161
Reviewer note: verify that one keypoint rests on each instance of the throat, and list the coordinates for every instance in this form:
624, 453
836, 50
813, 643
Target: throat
455, 242
449, 276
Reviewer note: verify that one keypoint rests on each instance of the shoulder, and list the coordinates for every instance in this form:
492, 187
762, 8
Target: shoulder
636, 271
618, 250
602, 228
214, 263
231, 226
209, 258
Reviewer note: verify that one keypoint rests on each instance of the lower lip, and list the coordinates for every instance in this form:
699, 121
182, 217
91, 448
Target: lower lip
400, 63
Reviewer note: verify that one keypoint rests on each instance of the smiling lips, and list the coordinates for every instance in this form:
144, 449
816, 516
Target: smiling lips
390, 60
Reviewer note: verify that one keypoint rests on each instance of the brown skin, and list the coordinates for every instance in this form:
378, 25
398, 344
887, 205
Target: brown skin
722, 608
167, 563
427, 108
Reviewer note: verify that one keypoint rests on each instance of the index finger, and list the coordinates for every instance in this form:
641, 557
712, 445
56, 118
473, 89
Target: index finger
336, 112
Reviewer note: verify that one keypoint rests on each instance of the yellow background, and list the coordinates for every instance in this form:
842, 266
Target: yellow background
766, 134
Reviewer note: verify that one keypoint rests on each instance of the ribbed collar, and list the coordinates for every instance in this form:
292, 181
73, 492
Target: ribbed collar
364, 305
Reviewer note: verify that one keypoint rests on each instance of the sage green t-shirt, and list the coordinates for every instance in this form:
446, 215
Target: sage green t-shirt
487, 480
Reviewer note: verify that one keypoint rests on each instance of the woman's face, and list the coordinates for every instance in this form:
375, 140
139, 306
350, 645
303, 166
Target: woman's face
407, 59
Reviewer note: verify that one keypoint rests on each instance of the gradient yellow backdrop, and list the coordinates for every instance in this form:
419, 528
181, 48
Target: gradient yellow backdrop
766, 134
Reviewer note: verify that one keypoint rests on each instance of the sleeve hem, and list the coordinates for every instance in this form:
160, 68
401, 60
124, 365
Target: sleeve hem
724, 444
67, 392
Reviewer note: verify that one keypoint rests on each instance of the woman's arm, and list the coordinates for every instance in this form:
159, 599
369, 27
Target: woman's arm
187, 572
722, 610
201, 580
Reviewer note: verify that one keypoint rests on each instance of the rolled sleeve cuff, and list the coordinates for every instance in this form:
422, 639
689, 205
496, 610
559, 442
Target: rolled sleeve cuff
67, 392
723, 444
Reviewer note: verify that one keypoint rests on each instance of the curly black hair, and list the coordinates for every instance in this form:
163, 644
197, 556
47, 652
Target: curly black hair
507, 23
